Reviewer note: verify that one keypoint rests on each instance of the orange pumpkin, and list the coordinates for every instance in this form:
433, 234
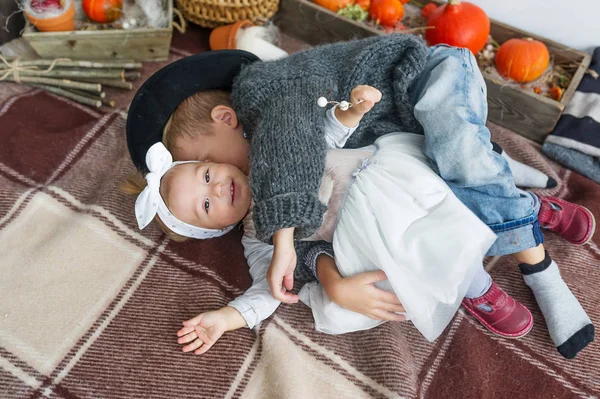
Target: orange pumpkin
387, 12
428, 10
364, 4
103, 11
459, 24
522, 60
333, 5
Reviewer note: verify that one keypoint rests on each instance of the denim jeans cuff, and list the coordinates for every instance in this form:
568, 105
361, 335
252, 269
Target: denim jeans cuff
518, 235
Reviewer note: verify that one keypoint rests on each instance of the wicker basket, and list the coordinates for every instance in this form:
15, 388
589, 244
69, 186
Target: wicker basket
213, 13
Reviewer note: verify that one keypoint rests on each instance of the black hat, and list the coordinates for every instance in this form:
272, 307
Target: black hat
160, 95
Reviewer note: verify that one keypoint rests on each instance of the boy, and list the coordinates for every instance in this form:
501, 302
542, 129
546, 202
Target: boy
275, 102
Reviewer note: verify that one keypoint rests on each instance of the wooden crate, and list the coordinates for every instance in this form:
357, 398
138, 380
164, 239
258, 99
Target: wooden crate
523, 111
144, 44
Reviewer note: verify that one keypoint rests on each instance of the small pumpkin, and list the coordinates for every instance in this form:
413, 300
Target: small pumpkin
556, 93
387, 12
364, 4
522, 60
103, 11
459, 23
333, 5
428, 10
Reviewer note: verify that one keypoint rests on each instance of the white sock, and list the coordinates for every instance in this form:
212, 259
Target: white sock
525, 175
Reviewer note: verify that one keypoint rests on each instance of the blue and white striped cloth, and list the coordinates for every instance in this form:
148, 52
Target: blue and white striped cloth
575, 141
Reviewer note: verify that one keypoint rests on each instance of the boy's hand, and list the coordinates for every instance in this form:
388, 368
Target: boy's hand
357, 293
281, 271
201, 332
369, 96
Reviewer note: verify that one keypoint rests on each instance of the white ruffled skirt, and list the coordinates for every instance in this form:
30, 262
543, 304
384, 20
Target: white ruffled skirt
401, 217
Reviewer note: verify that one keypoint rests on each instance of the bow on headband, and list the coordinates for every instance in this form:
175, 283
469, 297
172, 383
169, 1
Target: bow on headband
150, 203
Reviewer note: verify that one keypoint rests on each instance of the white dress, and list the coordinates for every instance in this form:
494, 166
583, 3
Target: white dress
388, 210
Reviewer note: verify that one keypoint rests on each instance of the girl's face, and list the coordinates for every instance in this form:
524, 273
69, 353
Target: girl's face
208, 195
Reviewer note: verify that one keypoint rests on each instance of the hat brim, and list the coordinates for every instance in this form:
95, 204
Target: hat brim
162, 93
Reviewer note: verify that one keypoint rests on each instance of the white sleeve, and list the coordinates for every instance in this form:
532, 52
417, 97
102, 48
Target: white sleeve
257, 303
336, 134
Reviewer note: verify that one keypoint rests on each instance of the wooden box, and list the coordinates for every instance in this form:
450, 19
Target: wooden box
523, 111
144, 44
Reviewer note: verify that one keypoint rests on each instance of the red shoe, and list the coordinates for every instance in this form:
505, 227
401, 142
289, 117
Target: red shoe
500, 313
572, 222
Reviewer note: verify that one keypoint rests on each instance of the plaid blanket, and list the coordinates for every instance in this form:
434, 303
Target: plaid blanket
575, 142
89, 306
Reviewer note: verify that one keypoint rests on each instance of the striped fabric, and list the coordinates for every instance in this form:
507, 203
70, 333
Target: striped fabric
89, 305
575, 142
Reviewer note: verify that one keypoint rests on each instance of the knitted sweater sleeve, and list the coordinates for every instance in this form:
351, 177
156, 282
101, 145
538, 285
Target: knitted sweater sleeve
287, 154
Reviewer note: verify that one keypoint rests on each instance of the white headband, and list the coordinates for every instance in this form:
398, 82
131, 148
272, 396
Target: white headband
150, 203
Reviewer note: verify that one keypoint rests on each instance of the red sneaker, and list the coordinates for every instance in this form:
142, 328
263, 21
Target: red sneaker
500, 313
572, 222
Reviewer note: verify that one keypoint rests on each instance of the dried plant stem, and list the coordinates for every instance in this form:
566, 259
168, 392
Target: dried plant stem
118, 84
68, 94
78, 74
82, 64
63, 83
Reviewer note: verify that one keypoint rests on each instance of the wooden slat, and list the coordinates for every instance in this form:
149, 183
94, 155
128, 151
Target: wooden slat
581, 70
532, 117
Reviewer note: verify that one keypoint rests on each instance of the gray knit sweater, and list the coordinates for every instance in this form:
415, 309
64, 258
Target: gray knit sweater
276, 103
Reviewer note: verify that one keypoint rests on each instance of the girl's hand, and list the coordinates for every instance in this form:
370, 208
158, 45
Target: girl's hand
369, 96
357, 293
281, 271
204, 330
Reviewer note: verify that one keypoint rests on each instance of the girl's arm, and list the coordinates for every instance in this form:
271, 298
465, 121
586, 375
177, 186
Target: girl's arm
358, 293
203, 331
257, 303
364, 97
340, 125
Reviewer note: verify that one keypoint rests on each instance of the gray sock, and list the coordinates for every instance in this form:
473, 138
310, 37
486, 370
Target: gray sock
525, 175
569, 326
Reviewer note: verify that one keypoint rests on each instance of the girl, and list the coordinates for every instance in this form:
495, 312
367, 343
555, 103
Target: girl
386, 210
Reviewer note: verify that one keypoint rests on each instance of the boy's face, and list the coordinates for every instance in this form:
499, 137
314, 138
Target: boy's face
225, 144
208, 195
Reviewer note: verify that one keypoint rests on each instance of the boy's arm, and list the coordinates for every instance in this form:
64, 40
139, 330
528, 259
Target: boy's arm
256, 304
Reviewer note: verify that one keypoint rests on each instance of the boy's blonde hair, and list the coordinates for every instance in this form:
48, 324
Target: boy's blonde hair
192, 116
134, 185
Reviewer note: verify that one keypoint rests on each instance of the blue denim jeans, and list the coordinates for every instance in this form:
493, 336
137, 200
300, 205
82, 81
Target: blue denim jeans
450, 103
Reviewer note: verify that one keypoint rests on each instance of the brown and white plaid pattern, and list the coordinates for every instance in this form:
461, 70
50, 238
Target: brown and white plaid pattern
89, 306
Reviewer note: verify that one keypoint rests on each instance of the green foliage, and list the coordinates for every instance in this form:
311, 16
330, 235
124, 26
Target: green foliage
355, 12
